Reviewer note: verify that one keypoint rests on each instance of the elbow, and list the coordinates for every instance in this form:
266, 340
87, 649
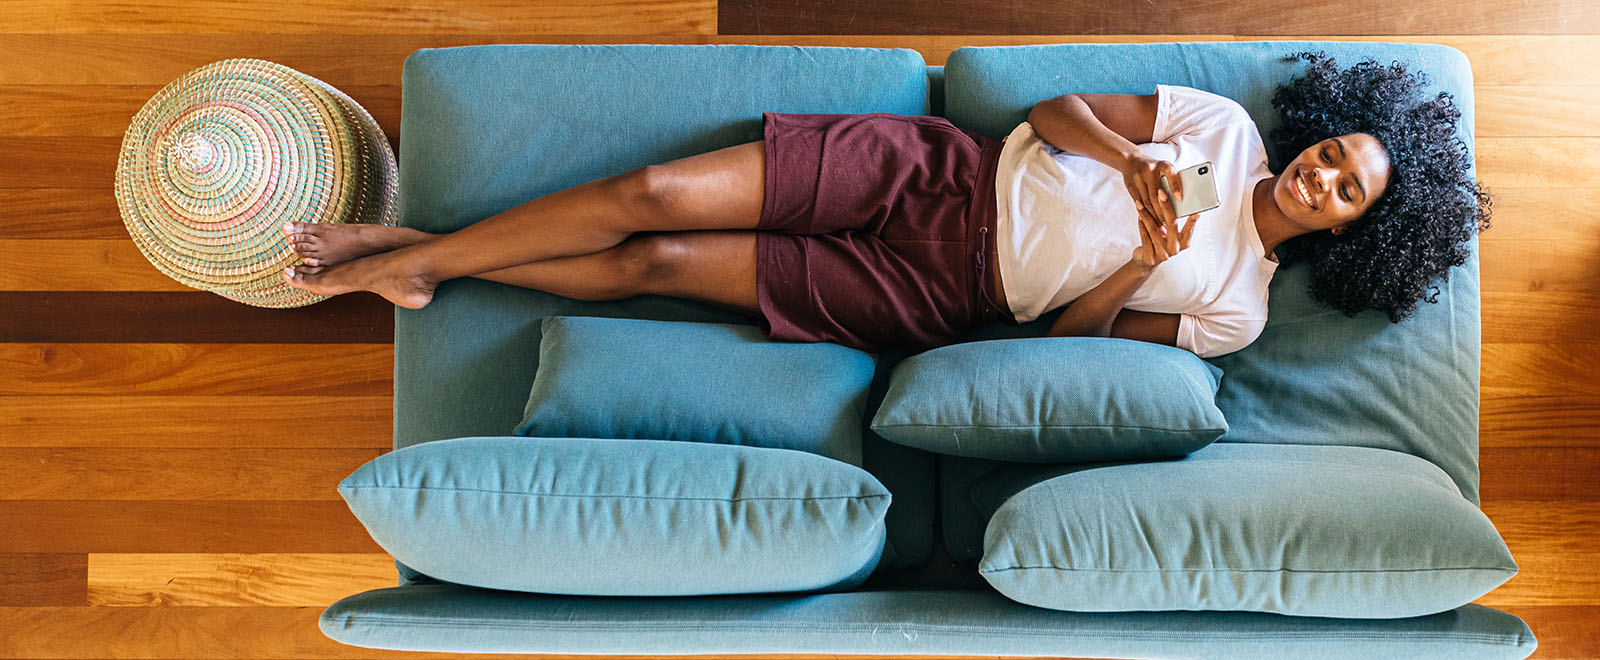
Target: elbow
1048, 105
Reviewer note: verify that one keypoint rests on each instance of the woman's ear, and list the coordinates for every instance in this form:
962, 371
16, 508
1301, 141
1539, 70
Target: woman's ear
1337, 230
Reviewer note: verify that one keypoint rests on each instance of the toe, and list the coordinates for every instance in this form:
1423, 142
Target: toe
312, 261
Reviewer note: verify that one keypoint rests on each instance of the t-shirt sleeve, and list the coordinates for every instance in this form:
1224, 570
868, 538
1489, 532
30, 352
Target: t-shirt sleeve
1211, 336
1190, 111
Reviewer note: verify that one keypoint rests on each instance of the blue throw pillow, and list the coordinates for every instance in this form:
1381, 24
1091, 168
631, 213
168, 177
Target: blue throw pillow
1304, 530
697, 382
1053, 400
608, 517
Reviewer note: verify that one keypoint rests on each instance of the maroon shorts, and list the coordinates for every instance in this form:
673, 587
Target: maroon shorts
877, 230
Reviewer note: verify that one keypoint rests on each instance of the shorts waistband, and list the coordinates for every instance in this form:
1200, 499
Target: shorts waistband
982, 217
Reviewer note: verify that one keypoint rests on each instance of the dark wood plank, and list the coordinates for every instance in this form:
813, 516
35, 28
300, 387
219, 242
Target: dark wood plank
194, 317
1540, 473
146, 473
1169, 17
180, 526
620, 17
36, 579
1569, 420
175, 369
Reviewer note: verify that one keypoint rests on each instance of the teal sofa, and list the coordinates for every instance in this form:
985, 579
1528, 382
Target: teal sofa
488, 127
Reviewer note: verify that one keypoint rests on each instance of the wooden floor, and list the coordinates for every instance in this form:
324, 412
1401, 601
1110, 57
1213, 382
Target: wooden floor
169, 457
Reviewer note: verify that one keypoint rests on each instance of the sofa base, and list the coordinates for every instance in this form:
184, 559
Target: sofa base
454, 618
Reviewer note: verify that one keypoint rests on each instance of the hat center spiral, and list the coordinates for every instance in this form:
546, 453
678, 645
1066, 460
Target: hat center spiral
194, 150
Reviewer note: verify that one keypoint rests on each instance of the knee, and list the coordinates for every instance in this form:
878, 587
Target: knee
648, 262
645, 189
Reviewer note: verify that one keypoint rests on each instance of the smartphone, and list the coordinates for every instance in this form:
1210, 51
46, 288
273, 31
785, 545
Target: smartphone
1199, 190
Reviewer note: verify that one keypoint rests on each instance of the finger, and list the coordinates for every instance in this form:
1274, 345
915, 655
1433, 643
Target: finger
1177, 187
1188, 231
1170, 224
1145, 243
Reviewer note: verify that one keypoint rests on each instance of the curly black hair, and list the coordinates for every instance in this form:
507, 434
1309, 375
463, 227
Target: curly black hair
1419, 227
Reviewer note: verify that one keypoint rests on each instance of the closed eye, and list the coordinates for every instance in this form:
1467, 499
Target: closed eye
1329, 161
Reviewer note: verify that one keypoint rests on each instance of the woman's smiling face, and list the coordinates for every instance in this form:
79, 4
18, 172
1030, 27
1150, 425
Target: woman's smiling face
1333, 181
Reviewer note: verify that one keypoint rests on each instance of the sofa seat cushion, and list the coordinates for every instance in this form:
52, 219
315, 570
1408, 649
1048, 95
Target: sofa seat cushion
1304, 530
622, 517
1053, 400
722, 383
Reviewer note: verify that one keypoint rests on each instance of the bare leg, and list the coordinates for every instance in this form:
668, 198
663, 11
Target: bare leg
722, 189
718, 267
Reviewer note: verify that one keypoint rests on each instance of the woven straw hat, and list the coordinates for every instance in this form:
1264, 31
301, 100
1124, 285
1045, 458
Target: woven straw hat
214, 164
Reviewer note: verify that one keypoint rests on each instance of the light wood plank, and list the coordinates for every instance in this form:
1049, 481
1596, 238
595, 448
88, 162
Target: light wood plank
146, 473
1556, 546
376, 59
267, 421
58, 213
615, 17
1546, 163
107, 110
184, 369
80, 265
1542, 214
230, 580
1536, 111
1539, 369
1551, 317
1555, 267
88, 526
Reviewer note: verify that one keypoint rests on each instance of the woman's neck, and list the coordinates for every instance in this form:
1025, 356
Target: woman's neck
1271, 224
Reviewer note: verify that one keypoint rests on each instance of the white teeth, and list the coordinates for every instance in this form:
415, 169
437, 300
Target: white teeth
1300, 185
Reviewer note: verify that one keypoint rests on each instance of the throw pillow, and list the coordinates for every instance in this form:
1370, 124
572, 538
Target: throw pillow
1304, 530
1053, 400
609, 517
698, 382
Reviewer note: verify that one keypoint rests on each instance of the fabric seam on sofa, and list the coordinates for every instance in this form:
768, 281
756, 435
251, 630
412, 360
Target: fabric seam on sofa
626, 497
1313, 636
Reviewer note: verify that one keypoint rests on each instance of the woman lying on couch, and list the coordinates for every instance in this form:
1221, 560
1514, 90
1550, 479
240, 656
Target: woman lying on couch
880, 230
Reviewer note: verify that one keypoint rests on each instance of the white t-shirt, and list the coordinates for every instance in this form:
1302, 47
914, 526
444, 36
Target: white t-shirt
1066, 223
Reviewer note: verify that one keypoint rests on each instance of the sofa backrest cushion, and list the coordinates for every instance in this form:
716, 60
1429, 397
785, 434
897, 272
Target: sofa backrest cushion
487, 128
1314, 376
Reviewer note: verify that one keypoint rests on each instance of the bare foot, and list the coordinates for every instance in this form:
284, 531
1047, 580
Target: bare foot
326, 244
385, 274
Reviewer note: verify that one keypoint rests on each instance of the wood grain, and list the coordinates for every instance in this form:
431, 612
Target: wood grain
175, 369
354, 60
38, 579
618, 17
147, 473
277, 421
84, 526
1539, 369
1368, 17
1566, 420
190, 317
231, 580
107, 110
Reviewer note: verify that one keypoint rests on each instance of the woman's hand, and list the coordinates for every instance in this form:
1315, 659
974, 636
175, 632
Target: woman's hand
1160, 241
1142, 175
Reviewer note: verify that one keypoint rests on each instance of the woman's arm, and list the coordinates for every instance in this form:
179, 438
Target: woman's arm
1105, 127
1099, 312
